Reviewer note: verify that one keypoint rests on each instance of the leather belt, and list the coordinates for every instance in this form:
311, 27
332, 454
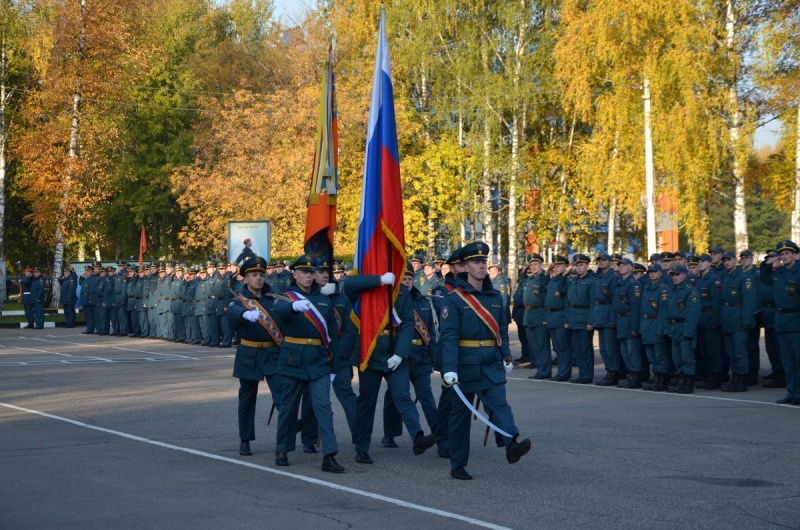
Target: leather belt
677, 320
551, 310
624, 314
649, 317
254, 344
706, 309
578, 306
477, 343
603, 302
732, 304
792, 310
308, 342
417, 342
532, 307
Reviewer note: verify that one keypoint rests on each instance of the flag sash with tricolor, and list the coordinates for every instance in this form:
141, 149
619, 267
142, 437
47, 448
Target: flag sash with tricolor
313, 315
380, 244
321, 216
266, 321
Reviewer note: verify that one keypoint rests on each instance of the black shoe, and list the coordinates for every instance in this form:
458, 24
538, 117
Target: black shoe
84, 332
611, 379
362, 457
539, 376
29, 326
443, 452
388, 441
330, 465
422, 442
562, 379
785, 401
777, 381
460, 473
795, 402
244, 448
309, 448
517, 450
281, 459
578, 381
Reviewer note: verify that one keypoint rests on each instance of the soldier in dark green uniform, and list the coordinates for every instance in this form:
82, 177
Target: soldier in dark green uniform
783, 272
684, 317
535, 291
38, 295
578, 320
738, 298
766, 296
304, 363
628, 309
555, 304
27, 302
476, 356
257, 353
69, 287
419, 274
654, 327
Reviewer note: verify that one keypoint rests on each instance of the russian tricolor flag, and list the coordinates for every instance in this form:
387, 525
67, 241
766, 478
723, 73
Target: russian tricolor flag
380, 245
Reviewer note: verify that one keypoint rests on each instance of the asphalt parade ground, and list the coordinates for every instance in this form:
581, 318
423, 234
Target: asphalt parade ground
110, 432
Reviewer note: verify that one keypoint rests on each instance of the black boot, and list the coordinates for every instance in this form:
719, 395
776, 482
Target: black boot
652, 382
738, 384
422, 442
281, 459
712, 381
632, 381
687, 385
610, 379
778, 380
675, 384
517, 450
244, 448
661, 383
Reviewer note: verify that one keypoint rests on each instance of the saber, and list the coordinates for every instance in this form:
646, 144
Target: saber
478, 414
271, 411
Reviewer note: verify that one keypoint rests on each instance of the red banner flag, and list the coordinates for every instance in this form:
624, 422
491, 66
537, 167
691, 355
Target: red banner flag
142, 247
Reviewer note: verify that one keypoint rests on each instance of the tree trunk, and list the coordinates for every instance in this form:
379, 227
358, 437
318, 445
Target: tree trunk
3, 101
71, 161
486, 217
612, 220
519, 52
796, 210
734, 128
561, 234
649, 174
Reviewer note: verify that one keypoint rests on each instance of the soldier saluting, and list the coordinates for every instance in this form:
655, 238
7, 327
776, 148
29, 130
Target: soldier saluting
474, 334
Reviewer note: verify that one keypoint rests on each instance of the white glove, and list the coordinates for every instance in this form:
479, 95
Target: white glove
301, 306
251, 316
387, 279
508, 365
450, 378
393, 362
328, 289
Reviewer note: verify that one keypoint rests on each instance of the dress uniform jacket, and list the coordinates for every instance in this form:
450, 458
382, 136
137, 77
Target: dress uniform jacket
69, 287
555, 302
534, 294
580, 300
478, 368
251, 362
655, 312
684, 312
708, 289
605, 285
786, 290
628, 307
420, 360
738, 297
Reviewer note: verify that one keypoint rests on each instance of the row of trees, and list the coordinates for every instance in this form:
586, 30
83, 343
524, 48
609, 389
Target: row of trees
525, 122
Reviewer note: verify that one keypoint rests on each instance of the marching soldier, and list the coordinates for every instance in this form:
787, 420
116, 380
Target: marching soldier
305, 364
420, 365
474, 333
257, 353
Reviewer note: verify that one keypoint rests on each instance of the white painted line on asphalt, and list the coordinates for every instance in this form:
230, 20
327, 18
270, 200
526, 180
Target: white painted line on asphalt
114, 348
649, 393
318, 482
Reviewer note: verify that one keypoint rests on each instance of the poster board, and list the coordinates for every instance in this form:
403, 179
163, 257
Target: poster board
259, 233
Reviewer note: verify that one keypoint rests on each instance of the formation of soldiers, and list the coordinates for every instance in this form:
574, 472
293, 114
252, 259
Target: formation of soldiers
679, 323
304, 342
167, 301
